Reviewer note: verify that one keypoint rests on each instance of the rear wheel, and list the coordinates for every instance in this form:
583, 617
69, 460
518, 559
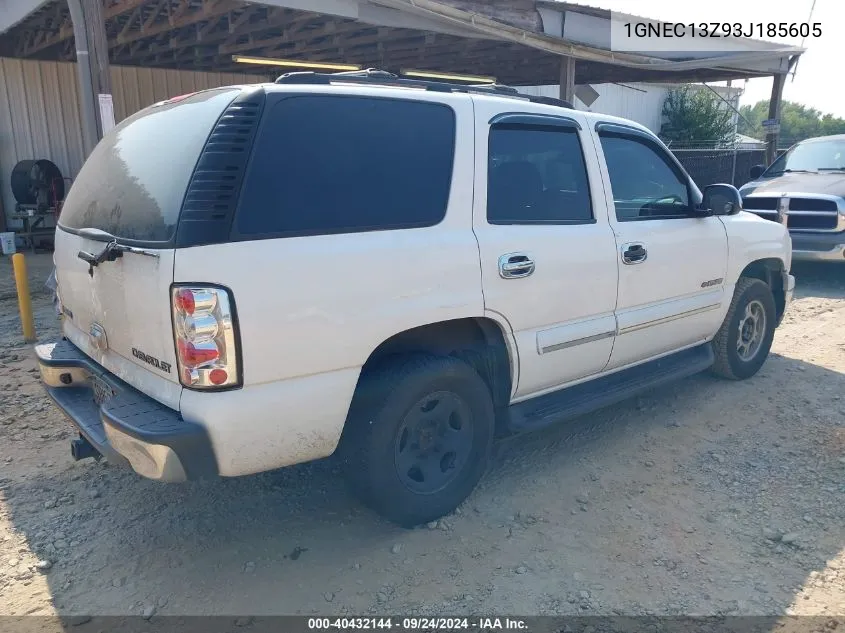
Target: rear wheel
745, 338
418, 436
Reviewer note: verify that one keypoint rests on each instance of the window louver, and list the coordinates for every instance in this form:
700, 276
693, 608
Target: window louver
212, 194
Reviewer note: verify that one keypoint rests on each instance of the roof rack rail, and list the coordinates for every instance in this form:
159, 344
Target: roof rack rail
375, 76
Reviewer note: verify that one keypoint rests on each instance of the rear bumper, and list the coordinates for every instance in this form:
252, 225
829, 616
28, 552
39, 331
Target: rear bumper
127, 427
818, 247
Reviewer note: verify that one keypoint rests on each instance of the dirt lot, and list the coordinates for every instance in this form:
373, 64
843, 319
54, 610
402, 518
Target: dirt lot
706, 497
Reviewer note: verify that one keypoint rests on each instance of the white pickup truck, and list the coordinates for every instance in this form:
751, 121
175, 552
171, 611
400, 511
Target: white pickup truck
397, 271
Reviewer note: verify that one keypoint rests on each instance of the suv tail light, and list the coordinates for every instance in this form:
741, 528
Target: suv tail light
206, 338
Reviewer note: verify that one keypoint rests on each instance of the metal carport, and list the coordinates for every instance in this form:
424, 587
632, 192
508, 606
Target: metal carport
519, 42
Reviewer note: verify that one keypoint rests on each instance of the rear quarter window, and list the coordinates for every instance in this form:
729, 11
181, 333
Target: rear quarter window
341, 164
133, 183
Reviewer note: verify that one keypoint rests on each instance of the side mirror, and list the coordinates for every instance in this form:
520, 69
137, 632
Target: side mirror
757, 171
722, 199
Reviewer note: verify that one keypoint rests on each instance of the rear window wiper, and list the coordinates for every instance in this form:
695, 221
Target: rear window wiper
831, 168
111, 252
96, 234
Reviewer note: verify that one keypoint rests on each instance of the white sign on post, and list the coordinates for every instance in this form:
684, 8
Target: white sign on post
106, 112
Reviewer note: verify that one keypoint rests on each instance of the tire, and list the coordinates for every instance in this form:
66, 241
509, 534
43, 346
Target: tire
399, 412
731, 362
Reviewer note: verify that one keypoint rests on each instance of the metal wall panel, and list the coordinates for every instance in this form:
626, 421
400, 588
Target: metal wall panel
40, 117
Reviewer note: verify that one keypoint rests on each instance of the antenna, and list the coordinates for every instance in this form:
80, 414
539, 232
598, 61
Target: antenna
810, 17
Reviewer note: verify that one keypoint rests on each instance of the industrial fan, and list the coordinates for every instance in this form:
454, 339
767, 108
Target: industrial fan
39, 188
38, 182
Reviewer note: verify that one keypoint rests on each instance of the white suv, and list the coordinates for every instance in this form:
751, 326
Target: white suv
257, 276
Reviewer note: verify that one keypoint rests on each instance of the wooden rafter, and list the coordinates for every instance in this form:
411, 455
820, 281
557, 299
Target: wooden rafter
154, 14
119, 7
203, 31
189, 18
204, 34
247, 15
285, 32
52, 36
127, 26
272, 19
180, 10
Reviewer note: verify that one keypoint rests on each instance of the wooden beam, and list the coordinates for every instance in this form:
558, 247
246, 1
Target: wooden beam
322, 43
197, 15
136, 47
242, 25
39, 37
68, 50
21, 43
567, 78
184, 5
247, 14
65, 32
275, 20
774, 113
119, 7
93, 68
289, 29
127, 27
519, 13
251, 44
57, 16
153, 16
204, 30
352, 46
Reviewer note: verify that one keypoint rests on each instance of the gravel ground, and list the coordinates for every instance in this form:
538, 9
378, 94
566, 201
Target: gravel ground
705, 497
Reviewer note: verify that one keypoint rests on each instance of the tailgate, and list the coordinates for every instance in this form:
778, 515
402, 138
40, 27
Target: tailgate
130, 191
120, 315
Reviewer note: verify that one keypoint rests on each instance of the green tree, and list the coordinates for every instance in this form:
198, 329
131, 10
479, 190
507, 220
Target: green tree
797, 122
695, 117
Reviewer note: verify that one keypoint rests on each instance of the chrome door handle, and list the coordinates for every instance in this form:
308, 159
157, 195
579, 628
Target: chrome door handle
515, 266
633, 253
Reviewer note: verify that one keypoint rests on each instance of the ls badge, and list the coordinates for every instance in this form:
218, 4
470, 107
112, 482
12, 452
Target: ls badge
98, 337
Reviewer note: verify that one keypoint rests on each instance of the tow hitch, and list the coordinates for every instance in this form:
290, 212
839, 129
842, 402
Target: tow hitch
83, 449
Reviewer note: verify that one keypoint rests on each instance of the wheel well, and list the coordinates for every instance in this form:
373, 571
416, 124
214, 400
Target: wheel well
769, 271
477, 341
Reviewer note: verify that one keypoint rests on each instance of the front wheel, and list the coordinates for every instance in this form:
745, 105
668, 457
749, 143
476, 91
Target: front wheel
419, 434
745, 338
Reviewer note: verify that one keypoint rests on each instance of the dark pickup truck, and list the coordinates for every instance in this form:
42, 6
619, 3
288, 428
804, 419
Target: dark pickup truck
806, 186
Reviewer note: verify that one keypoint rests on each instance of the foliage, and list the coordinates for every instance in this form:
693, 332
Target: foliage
695, 117
797, 122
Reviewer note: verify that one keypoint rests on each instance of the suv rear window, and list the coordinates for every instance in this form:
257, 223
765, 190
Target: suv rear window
340, 164
133, 183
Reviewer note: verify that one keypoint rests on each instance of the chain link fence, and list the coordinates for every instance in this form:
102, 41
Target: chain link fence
709, 166
708, 163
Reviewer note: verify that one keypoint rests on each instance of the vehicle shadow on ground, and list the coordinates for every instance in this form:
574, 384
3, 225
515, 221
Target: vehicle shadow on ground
294, 541
818, 279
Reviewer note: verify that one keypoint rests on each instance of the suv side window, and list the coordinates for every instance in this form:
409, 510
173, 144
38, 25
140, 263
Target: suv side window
536, 175
645, 185
343, 164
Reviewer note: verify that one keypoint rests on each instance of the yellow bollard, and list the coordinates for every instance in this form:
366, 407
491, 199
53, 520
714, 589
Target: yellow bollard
24, 300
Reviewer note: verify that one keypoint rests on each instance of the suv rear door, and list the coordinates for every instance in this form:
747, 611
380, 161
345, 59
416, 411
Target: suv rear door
131, 189
548, 258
